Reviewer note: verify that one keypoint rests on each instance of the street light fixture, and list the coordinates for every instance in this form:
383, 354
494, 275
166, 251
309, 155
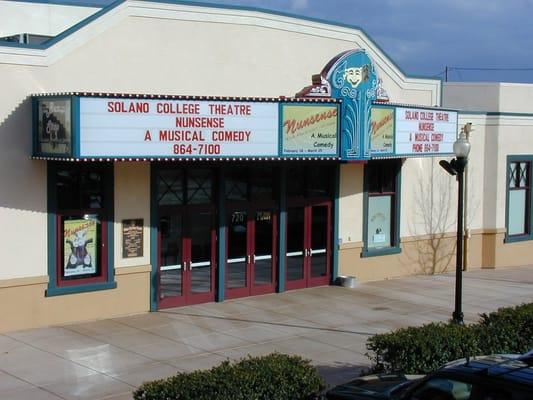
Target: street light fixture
461, 149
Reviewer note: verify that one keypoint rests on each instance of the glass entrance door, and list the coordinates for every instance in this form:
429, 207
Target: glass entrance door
186, 257
201, 256
308, 245
238, 250
263, 258
171, 257
296, 246
251, 251
319, 246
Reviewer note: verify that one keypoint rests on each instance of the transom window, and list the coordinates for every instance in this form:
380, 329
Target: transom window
178, 187
310, 181
249, 183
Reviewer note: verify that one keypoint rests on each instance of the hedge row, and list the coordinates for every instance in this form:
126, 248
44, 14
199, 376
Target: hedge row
423, 349
273, 377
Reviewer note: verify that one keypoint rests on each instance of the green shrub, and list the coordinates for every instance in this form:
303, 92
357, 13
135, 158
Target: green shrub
508, 330
423, 349
272, 377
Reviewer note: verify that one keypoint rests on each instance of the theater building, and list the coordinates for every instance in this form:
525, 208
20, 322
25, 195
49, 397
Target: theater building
158, 154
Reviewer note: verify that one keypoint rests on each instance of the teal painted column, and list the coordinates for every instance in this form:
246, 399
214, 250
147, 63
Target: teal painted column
51, 223
221, 235
153, 239
282, 248
336, 203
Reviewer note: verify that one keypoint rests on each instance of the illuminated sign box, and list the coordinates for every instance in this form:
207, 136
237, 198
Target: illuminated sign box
382, 130
309, 129
52, 126
109, 127
412, 132
177, 128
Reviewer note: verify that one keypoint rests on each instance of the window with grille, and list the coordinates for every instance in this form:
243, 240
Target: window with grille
518, 198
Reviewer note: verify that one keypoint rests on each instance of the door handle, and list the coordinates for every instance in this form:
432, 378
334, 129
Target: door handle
248, 258
253, 258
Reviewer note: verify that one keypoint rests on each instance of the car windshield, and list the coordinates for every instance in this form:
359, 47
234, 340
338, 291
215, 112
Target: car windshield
399, 390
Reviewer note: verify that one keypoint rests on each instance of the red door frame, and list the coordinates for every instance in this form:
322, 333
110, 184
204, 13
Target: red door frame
320, 280
250, 289
186, 297
307, 280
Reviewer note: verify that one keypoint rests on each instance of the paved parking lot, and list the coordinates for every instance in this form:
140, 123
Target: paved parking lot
107, 359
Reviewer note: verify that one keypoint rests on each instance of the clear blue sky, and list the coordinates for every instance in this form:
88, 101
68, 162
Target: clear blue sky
425, 36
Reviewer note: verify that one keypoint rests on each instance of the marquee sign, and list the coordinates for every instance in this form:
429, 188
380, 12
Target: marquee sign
424, 131
167, 127
96, 126
176, 128
412, 132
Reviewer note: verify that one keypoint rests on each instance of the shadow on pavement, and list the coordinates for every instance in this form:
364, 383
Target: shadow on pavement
341, 372
269, 323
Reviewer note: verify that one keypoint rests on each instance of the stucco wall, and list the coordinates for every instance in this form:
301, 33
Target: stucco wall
22, 181
132, 201
351, 203
489, 96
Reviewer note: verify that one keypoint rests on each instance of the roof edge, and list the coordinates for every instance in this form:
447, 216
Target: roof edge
69, 3
204, 4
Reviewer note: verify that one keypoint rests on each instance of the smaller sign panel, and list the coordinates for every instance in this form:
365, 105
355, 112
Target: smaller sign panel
54, 132
381, 130
79, 247
132, 238
421, 131
309, 129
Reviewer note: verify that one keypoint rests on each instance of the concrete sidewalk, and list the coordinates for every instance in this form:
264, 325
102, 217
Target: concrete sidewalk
107, 359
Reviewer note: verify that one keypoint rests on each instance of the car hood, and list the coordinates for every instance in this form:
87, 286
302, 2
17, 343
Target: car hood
372, 387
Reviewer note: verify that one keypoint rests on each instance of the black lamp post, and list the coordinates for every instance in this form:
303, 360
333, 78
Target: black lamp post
461, 149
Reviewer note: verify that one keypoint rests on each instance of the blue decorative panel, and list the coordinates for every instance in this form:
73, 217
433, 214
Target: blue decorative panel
353, 79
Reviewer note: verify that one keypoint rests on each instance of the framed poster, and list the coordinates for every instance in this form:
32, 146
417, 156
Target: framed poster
309, 129
54, 127
132, 238
382, 130
80, 244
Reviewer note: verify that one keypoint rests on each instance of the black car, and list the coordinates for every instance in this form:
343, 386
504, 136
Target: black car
497, 377
385, 386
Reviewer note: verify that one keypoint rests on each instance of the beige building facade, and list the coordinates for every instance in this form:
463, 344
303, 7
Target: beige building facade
142, 51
